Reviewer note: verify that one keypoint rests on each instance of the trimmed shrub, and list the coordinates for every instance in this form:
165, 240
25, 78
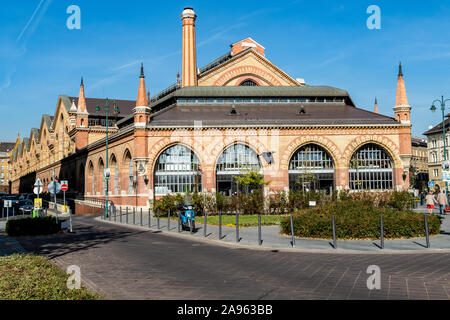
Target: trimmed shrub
32, 226
358, 220
166, 203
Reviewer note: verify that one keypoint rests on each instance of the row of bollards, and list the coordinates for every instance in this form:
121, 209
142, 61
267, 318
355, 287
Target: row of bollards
260, 241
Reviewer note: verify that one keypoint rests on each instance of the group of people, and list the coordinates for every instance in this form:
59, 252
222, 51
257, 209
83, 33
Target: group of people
431, 200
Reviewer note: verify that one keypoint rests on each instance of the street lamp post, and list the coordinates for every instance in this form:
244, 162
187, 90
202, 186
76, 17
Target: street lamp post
433, 108
116, 111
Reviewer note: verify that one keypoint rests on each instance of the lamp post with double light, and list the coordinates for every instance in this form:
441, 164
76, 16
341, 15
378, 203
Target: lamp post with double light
106, 172
441, 103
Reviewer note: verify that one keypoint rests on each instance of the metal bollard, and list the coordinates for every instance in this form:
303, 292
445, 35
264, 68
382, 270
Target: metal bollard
204, 225
426, 230
334, 233
115, 213
190, 225
109, 213
157, 217
220, 226
168, 220
120, 214
179, 224
134, 216
259, 230
141, 216
237, 226
126, 215
382, 232
149, 218
292, 232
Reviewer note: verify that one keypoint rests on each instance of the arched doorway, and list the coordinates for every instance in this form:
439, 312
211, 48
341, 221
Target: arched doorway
311, 168
177, 170
235, 161
371, 168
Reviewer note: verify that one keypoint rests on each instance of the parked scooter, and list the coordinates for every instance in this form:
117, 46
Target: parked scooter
187, 217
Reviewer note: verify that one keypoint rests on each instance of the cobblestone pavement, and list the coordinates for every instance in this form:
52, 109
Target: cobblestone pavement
128, 263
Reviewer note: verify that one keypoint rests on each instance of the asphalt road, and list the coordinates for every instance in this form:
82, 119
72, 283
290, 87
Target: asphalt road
127, 263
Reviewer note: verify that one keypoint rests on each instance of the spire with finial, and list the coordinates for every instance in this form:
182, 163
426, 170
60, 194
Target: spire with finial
376, 105
178, 78
81, 98
141, 100
402, 99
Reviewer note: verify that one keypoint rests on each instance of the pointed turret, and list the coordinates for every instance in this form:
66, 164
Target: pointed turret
142, 97
402, 109
81, 98
376, 105
142, 110
402, 99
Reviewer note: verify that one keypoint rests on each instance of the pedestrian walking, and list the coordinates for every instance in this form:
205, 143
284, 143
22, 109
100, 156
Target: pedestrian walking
422, 198
442, 201
430, 200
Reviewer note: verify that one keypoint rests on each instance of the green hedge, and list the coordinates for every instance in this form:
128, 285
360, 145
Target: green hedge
32, 226
359, 220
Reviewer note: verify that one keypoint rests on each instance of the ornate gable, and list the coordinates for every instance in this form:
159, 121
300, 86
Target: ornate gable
246, 65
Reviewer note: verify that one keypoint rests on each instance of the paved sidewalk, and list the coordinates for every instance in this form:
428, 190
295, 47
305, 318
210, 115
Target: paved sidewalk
8, 245
272, 239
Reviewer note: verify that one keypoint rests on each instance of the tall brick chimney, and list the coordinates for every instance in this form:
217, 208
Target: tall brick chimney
188, 53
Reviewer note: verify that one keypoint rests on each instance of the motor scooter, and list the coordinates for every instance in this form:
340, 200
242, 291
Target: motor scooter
187, 217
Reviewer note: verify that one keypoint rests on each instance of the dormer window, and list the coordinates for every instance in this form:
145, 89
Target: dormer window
248, 83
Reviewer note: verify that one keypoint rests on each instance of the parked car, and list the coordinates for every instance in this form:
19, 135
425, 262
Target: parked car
25, 206
14, 198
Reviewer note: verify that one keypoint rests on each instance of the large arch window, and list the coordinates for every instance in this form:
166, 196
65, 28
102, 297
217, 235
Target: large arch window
371, 169
234, 161
311, 167
177, 170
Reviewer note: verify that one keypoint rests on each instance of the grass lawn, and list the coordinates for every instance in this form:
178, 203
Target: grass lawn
244, 220
32, 277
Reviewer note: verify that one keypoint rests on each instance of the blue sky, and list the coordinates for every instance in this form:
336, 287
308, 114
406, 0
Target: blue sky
324, 42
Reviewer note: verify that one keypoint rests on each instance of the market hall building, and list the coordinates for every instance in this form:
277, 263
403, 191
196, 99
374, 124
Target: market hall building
238, 113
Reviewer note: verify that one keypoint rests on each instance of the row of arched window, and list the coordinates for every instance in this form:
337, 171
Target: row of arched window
311, 167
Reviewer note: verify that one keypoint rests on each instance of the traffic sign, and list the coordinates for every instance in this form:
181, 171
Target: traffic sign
7, 203
107, 172
37, 189
38, 203
64, 185
38, 183
54, 187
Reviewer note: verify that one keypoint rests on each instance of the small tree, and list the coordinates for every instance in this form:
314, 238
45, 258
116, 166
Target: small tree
251, 180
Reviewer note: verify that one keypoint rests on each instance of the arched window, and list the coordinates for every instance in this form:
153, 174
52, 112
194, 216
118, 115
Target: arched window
116, 173
128, 164
92, 176
248, 83
177, 170
236, 160
311, 167
371, 169
101, 167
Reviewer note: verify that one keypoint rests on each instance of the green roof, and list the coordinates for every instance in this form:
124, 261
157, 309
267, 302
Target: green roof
264, 91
